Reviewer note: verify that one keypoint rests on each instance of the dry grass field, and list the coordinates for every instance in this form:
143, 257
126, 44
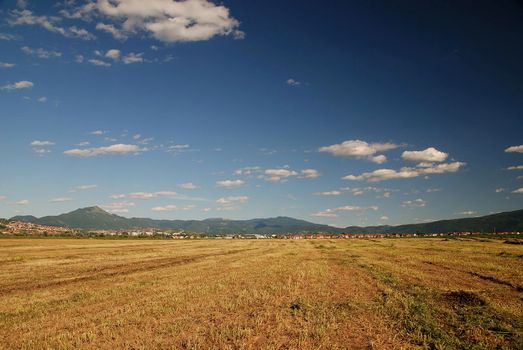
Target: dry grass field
261, 294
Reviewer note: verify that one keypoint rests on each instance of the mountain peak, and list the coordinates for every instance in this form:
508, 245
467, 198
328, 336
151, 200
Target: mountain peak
94, 209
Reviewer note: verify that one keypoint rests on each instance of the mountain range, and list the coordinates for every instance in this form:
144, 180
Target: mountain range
95, 218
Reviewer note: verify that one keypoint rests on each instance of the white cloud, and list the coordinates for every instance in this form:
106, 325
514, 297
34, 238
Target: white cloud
113, 54
468, 213
310, 173
118, 207
427, 155
417, 203
50, 23
188, 186
8, 37
111, 29
133, 58
230, 183
172, 207
248, 170
519, 190
41, 151
515, 149
60, 200
405, 173
221, 209
333, 212
41, 143
117, 196
232, 200
278, 174
99, 63
515, 167
328, 193
79, 58
293, 82
360, 150
499, 190
151, 195
166, 20
384, 218
23, 202
40, 52
7, 65
432, 190
112, 149
83, 188
98, 132
24, 84
177, 149
42, 99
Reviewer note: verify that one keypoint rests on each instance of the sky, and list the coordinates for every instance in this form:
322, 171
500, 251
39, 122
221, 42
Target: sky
342, 112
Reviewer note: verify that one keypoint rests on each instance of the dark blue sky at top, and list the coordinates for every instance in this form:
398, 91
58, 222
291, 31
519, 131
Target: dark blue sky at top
443, 74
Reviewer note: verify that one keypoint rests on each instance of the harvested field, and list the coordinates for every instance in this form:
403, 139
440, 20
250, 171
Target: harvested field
419, 293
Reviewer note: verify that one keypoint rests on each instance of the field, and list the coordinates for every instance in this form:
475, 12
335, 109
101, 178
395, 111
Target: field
432, 293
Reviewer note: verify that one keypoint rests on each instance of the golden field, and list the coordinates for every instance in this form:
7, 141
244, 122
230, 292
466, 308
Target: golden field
419, 293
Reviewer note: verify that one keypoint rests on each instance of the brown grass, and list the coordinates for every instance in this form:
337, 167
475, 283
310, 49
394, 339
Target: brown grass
256, 294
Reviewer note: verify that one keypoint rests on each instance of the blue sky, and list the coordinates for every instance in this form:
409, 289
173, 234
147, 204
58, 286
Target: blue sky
343, 113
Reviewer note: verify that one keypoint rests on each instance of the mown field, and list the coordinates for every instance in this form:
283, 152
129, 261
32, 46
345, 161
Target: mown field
431, 293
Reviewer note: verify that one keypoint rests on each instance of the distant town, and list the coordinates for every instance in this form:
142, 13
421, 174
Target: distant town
20, 228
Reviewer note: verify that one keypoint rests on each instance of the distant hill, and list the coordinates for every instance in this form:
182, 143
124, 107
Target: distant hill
95, 218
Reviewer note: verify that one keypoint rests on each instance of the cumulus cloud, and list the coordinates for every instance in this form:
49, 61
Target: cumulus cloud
60, 200
515, 167
118, 207
7, 65
416, 203
429, 155
117, 196
166, 20
293, 82
133, 58
40, 52
333, 212
248, 170
360, 150
405, 172
278, 174
232, 200
328, 193
113, 54
112, 149
230, 183
99, 63
515, 149
188, 186
310, 173
151, 195
519, 190
41, 143
111, 29
24, 84
50, 23
172, 207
